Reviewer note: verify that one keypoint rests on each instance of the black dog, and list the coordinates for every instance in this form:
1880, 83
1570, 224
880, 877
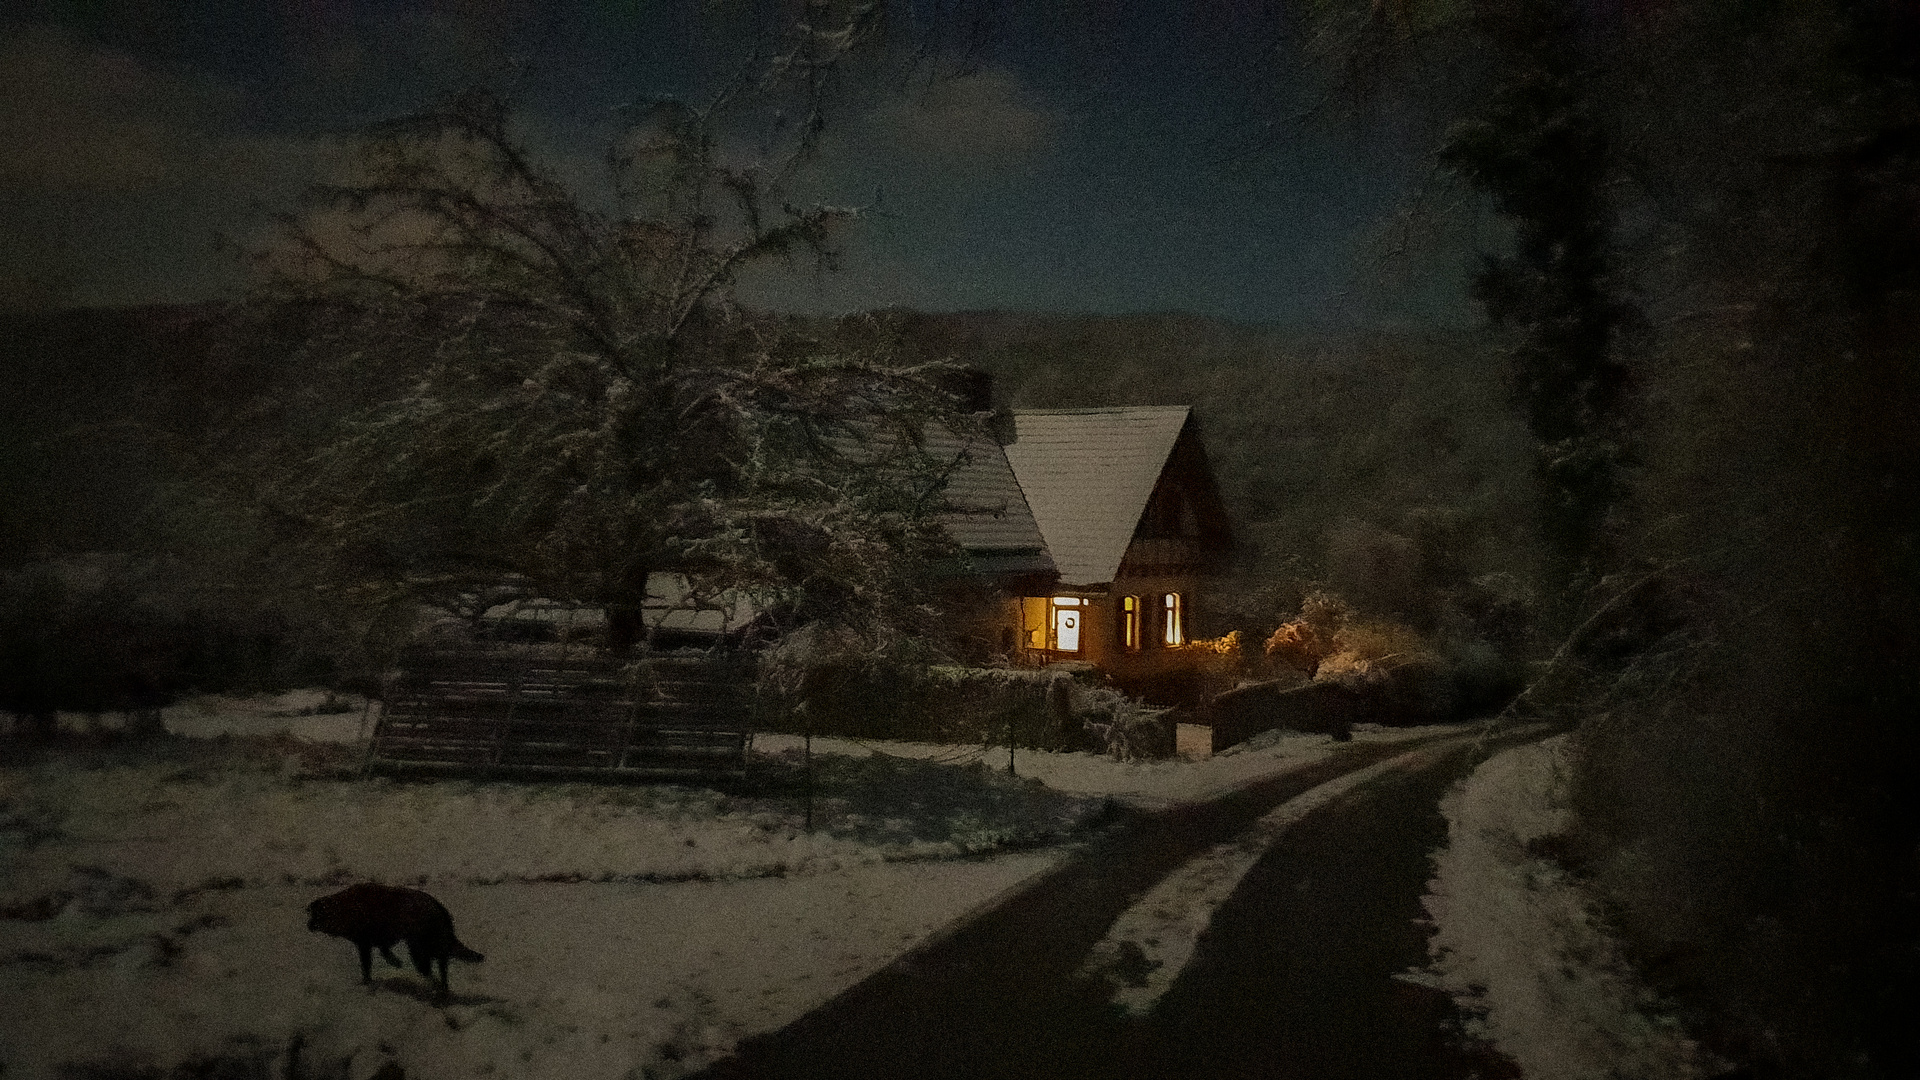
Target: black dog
379, 916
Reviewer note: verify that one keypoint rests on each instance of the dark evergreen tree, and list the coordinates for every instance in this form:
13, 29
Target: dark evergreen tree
1539, 150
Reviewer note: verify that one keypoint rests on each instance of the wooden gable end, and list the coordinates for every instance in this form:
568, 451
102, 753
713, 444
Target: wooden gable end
1184, 527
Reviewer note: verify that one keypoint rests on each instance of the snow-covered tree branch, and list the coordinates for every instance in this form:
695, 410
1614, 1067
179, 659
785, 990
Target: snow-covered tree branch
541, 386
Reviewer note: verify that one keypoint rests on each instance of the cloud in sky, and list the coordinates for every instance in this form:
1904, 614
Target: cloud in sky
1021, 185
361, 62
118, 172
79, 118
980, 119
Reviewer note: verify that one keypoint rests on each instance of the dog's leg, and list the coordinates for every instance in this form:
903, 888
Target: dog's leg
422, 956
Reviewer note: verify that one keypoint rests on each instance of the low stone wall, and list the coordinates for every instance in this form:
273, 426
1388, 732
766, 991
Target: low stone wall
1413, 694
1324, 707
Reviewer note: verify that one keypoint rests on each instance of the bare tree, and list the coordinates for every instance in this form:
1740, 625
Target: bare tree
545, 386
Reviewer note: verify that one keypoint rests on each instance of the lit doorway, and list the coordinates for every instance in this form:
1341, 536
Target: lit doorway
1066, 623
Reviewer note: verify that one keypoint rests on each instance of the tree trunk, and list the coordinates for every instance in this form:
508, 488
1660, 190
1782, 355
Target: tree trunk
626, 618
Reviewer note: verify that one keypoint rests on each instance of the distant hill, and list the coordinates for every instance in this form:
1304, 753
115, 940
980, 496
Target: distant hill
1327, 445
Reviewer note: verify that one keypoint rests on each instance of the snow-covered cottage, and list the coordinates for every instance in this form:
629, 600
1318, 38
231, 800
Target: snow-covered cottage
1094, 528
1086, 535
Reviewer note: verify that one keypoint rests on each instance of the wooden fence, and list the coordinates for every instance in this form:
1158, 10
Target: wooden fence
560, 711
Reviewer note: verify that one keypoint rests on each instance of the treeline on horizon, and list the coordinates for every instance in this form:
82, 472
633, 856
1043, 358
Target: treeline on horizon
1387, 467
1314, 435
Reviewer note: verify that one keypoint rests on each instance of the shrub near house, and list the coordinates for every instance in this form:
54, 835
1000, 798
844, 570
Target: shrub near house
1357, 670
1035, 709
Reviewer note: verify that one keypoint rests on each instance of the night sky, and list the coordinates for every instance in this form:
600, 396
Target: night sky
1098, 156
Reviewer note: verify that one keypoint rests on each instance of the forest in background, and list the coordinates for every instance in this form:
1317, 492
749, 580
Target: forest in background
1335, 452
1387, 467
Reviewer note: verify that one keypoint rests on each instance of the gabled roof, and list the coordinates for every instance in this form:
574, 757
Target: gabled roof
1087, 475
987, 514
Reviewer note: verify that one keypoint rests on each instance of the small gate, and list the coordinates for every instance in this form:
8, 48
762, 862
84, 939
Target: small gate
562, 711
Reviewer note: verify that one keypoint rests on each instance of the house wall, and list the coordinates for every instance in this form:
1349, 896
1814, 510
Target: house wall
1155, 671
1001, 627
1153, 656
1178, 538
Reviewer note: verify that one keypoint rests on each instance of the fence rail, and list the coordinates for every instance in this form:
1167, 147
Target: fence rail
566, 712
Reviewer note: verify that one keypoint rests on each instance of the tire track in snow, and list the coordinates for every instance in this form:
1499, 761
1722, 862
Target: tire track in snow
1150, 944
1003, 982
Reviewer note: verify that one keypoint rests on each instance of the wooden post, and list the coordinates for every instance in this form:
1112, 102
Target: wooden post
808, 758
633, 689
365, 738
753, 723
388, 676
515, 661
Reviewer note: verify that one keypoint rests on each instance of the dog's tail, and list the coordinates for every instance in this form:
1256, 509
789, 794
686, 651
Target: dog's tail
461, 952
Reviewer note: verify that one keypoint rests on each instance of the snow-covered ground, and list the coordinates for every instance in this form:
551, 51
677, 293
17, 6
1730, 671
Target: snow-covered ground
152, 901
1146, 784
1522, 948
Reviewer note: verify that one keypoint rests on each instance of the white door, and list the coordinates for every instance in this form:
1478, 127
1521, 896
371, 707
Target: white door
1066, 629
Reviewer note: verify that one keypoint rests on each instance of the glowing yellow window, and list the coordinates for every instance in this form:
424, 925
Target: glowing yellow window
1130, 622
1066, 623
1175, 633
1033, 622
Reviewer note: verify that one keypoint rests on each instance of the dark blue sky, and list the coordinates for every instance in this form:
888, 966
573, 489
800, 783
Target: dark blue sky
1101, 156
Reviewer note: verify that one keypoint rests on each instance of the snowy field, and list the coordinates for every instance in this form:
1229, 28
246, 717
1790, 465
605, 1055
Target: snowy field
152, 900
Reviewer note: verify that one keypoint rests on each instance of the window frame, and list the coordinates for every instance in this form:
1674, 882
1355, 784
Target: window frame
1131, 624
1173, 625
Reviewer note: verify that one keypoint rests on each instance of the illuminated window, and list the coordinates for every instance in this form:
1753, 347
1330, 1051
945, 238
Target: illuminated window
1130, 622
1066, 623
1175, 633
1033, 622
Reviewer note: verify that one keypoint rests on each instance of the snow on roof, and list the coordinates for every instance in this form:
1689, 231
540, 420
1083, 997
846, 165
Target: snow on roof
988, 514
1087, 475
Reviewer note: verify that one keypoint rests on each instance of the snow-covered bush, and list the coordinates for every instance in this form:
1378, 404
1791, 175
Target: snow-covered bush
1040, 709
